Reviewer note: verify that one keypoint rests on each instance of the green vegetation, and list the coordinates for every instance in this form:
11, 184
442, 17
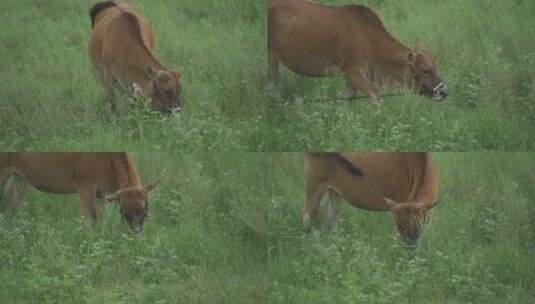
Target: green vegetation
225, 228
483, 50
479, 248
52, 100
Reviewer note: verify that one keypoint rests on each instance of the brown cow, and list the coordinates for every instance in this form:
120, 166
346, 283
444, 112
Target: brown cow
404, 183
319, 40
121, 48
111, 176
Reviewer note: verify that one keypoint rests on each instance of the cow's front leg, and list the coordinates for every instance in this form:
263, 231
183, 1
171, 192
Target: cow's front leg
314, 193
357, 80
332, 210
88, 195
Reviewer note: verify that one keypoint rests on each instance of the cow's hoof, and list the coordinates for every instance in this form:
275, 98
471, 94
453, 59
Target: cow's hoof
306, 222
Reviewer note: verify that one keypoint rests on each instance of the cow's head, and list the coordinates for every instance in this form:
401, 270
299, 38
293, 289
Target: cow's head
134, 204
425, 74
165, 89
410, 218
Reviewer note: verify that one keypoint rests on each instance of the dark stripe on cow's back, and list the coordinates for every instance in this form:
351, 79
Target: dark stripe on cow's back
131, 19
350, 167
97, 8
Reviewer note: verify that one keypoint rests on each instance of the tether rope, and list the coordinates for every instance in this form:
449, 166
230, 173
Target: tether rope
308, 100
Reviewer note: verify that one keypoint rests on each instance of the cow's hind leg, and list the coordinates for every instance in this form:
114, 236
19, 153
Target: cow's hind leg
314, 193
349, 92
18, 186
332, 210
311, 208
273, 75
357, 80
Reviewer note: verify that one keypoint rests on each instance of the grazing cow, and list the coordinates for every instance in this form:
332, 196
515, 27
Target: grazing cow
111, 176
318, 40
404, 183
121, 48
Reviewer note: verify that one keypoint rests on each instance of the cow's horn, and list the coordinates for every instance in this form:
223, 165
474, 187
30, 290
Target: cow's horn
151, 186
418, 45
391, 203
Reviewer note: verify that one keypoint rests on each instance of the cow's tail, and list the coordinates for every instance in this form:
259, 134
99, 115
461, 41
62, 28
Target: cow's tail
349, 166
99, 7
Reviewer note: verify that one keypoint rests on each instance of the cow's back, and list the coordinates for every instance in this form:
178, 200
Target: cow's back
304, 35
317, 40
61, 172
108, 30
394, 175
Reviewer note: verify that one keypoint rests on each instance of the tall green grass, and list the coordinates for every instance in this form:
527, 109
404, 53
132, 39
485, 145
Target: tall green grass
478, 248
483, 50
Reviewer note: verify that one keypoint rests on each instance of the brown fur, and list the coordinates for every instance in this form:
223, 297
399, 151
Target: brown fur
319, 40
404, 183
121, 49
91, 175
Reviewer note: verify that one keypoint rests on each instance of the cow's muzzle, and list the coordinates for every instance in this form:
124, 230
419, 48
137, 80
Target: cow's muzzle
440, 91
138, 229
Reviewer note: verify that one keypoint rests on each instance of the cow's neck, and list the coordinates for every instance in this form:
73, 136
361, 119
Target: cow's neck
124, 173
152, 62
140, 76
426, 190
391, 62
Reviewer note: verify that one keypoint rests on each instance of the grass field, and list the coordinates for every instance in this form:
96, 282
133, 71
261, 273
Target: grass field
52, 100
225, 228
479, 247
483, 50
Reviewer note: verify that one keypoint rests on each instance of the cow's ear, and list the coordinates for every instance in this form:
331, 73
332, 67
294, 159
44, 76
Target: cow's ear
150, 72
391, 203
148, 188
162, 76
113, 196
418, 45
426, 206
